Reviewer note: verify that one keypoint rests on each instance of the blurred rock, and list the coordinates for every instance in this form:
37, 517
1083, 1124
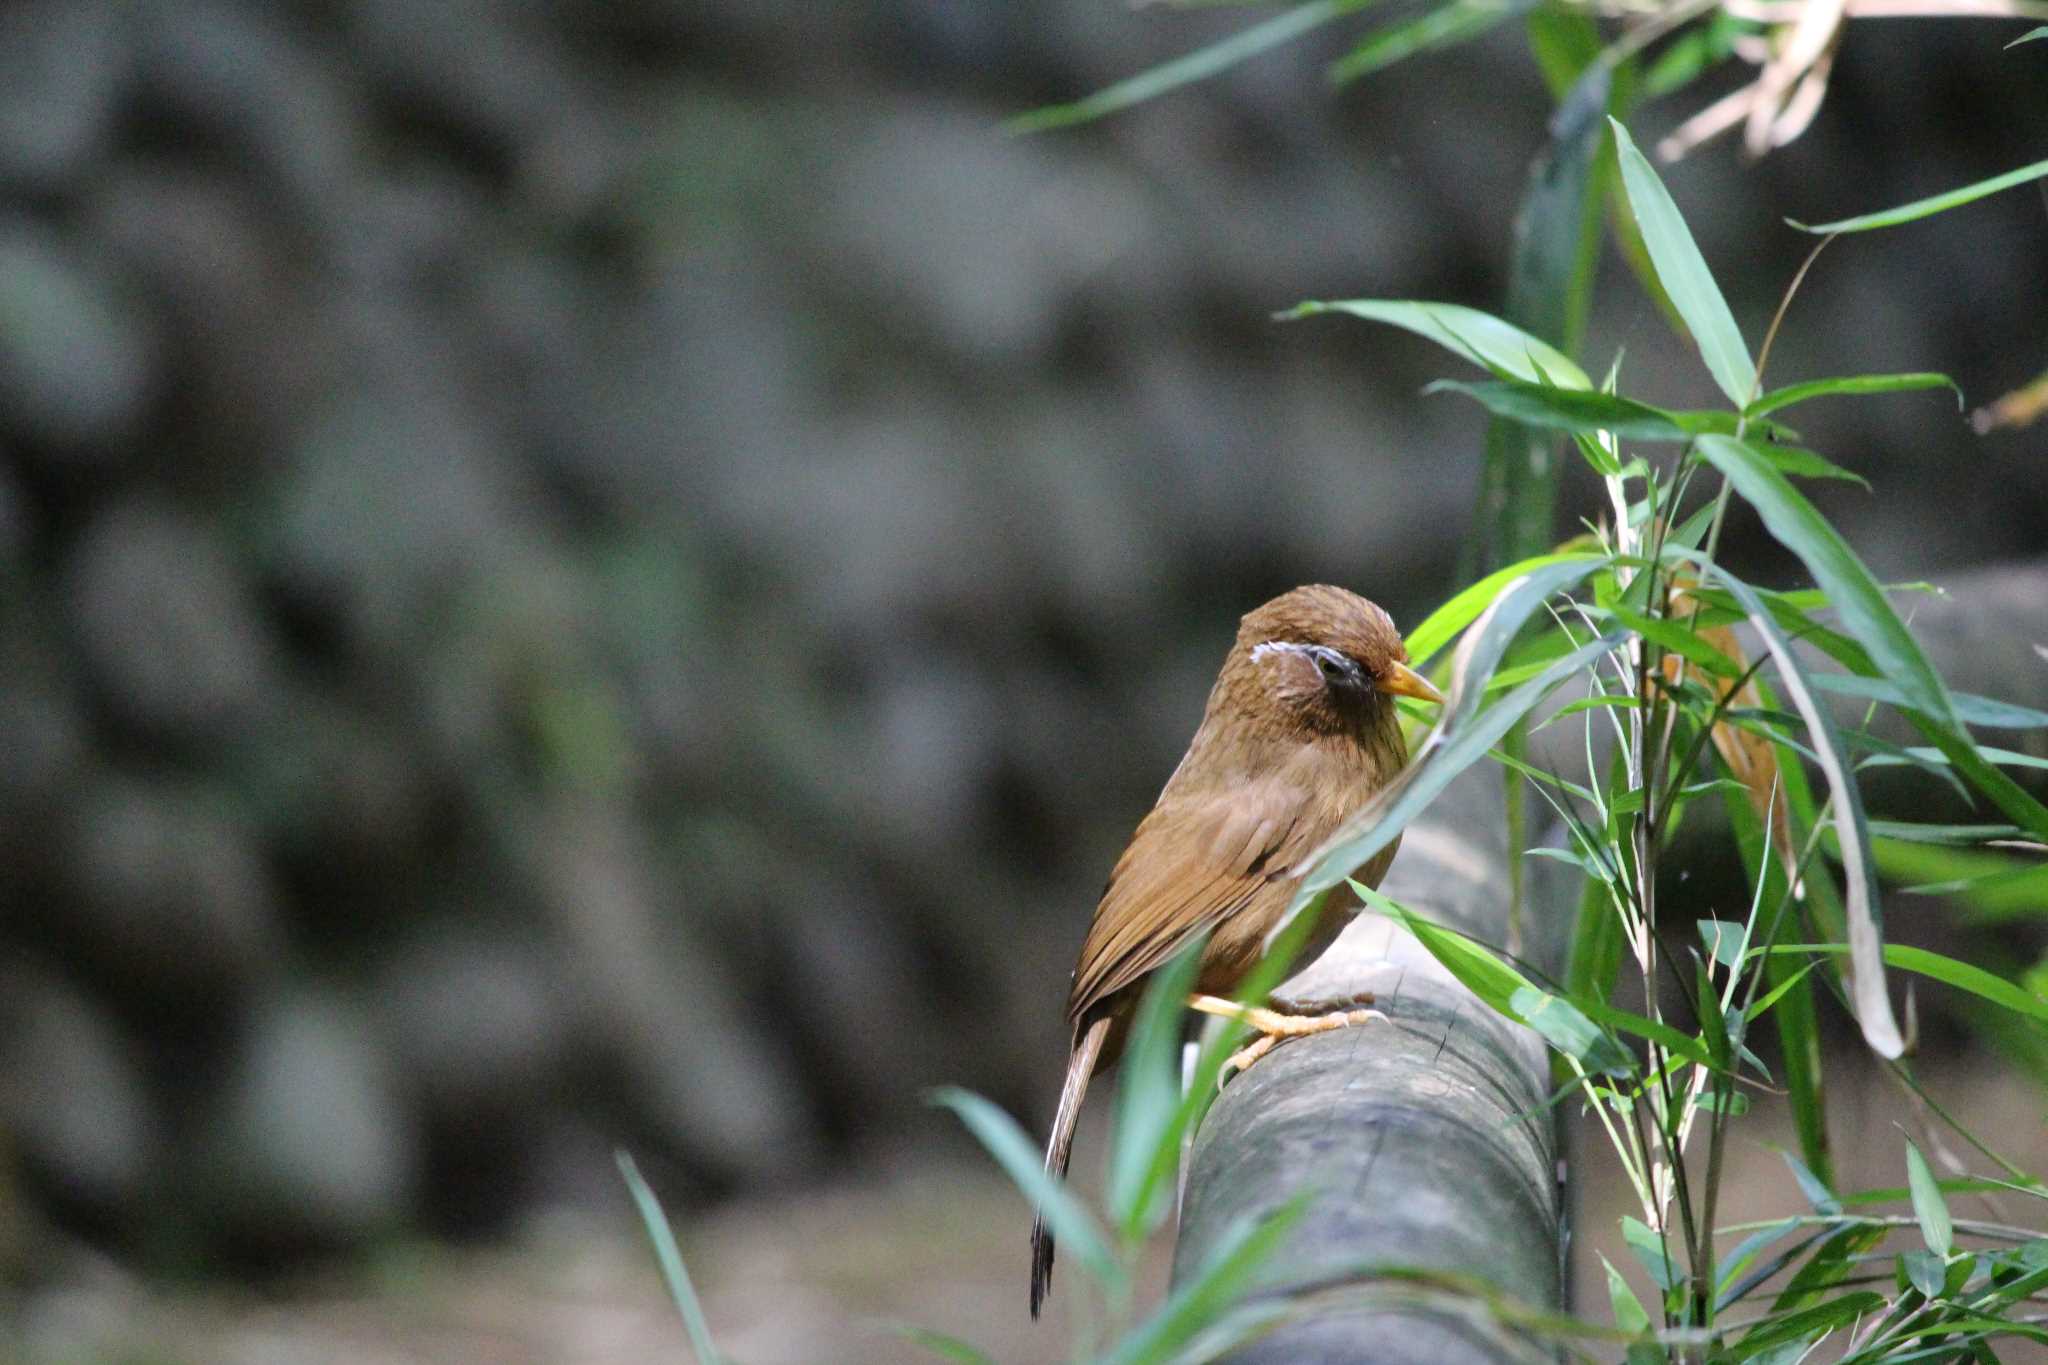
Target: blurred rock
476, 1023
660, 1005
61, 70
71, 1099
241, 78
972, 243
243, 336
392, 501
171, 903
47, 736
330, 786
76, 359
167, 630
307, 1142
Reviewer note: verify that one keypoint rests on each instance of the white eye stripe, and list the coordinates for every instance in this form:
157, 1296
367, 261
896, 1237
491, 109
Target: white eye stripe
1260, 651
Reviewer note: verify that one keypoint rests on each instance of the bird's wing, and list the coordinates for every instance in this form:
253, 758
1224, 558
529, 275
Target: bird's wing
1195, 860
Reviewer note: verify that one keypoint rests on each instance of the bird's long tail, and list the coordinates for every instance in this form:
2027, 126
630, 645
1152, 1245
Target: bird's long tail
1059, 1147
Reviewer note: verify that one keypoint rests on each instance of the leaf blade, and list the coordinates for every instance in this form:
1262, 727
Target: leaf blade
1684, 274
1479, 337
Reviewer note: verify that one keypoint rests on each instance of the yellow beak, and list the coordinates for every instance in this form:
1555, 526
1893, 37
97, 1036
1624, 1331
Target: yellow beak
1403, 681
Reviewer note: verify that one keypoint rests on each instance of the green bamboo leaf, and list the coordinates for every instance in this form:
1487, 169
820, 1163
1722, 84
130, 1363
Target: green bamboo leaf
1856, 383
1628, 1309
1947, 970
1195, 66
1988, 712
1565, 1027
1823, 1199
1670, 1039
1864, 609
1922, 208
1072, 1225
1736, 1262
1200, 1301
1477, 968
1920, 755
1684, 274
1725, 940
1873, 1006
1925, 1271
1648, 1247
2031, 35
1584, 410
1445, 27
670, 1256
1928, 1205
942, 1345
1800, 463
1479, 337
1962, 836
1441, 626
1674, 638
1148, 1091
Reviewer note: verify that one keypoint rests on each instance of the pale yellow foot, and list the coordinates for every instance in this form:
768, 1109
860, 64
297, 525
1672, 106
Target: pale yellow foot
1274, 1026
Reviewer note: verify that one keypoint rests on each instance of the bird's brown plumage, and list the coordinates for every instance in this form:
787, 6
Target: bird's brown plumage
1293, 741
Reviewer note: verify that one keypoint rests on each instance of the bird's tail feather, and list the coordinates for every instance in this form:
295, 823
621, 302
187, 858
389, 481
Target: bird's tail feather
1059, 1148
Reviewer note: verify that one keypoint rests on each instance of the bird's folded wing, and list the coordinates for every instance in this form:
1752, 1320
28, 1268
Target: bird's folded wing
1194, 861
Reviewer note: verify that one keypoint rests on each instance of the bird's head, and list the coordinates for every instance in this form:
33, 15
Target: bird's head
1320, 658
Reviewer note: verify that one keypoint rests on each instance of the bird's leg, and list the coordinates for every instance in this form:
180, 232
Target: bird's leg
1274, 1025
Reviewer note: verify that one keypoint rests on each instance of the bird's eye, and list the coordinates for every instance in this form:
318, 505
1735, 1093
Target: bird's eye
1332, 665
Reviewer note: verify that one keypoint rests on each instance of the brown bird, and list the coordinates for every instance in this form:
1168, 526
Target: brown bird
1299, 731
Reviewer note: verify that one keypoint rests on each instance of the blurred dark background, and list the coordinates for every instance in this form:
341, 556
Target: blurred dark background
583, 572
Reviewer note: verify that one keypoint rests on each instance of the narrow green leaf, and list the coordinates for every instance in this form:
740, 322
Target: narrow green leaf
942, 1345
1628, 1309
1684, 274
1928, 1205
1565, 1027
670, 1256
1924, 1270
1441, 626
1736, 1262
1864, 609
1673, 637
1200, 1301
1475, 965
1195, 66
1479, 337
1852, 384
1725, 939
1452, 24
1649, 1249
1584, 410
1074, 1227
1823, 1199
1797, 462
2031, 35
1797, 1019
1873, 1006
1970, 709
1922, 755
1622, 1021
1922, 208
1960, 836
1148, 1089
1962, 975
